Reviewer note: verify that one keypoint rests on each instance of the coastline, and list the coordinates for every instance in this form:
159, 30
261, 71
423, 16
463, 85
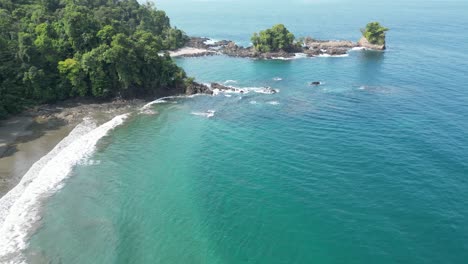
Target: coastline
29, 136
199, 47
26, 138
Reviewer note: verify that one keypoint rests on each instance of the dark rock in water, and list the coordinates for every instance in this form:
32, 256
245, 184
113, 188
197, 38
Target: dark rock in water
220, 87
268, 90
197, 88
276, 55
233, 50
315, 83
336, 51
312, 52
198, 43
222, 43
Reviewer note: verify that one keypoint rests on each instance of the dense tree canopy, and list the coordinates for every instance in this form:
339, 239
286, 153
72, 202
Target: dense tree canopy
274, 39
56, 49
375, 33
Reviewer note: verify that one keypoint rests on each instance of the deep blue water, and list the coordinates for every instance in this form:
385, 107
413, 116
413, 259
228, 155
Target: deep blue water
370, 167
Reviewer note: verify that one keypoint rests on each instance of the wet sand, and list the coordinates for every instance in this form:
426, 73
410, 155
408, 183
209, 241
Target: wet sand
24, 139
34, 141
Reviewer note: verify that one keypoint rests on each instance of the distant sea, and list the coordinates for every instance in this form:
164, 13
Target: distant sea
369, 167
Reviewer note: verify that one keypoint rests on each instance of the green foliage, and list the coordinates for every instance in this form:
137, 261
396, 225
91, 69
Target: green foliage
56, 49
274, 39
375, 33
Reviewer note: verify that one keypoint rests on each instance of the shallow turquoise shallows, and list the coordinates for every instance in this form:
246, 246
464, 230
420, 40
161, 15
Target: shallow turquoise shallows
369, 167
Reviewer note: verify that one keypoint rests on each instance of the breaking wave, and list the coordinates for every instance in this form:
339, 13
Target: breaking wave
19, 208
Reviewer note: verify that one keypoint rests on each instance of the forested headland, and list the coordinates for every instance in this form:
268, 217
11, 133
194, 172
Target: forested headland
51, 50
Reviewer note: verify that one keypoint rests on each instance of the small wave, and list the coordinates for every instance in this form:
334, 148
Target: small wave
148, 111
300, 55
277, 79
281, 58
266, 90
19, 209
230, 81
166, 100
358, 48
375, 89
89, 162
210, 41
158, 101
332, 56
228, 95
207, 114
273, 103
246, 90
295, 57
253, 102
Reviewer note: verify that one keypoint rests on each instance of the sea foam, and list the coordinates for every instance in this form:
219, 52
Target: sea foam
207, 114
332, 56
210, 41
246, 90
296, 56
230, 81
19, 208
165, 100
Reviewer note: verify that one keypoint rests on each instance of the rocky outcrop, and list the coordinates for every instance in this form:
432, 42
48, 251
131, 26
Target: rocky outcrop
312, 47
221, 87
198, 43
198, 54
197, 88
364, 43
329, 44
232, 49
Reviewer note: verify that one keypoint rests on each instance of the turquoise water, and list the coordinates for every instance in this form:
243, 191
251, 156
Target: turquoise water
370, 167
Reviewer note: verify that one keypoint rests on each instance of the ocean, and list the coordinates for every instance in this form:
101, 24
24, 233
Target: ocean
369, 167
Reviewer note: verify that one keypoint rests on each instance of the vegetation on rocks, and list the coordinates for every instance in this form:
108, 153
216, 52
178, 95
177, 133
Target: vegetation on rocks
52, 50
274, 39
375, 33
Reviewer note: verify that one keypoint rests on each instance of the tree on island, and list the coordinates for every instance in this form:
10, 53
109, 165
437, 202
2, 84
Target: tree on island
52, 50
274, 39
375, 33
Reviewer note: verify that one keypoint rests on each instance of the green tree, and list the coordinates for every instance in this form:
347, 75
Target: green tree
274, 39
375, 33
56, 49
71, 69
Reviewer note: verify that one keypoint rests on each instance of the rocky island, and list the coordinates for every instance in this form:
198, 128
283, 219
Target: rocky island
279, 43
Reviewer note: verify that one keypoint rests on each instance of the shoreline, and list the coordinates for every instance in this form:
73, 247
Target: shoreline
29, 136
83, 123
